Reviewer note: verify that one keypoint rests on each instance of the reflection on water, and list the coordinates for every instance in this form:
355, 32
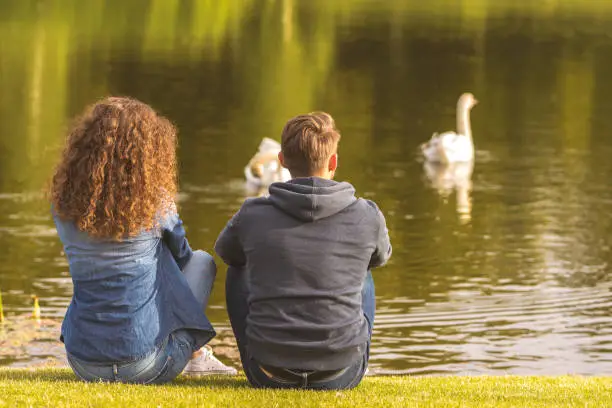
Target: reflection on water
499, 268
451, 178
551, 330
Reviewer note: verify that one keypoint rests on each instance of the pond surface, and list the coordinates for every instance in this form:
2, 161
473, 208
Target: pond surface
508, 274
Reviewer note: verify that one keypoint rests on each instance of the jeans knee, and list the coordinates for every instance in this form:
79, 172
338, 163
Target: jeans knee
206, 261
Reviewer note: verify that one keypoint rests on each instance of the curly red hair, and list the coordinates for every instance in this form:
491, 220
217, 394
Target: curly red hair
117, 174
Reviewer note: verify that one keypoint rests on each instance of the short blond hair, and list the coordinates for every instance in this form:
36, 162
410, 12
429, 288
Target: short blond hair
308, 141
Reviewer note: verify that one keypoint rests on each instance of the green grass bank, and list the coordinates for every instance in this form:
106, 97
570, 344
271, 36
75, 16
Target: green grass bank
59, 388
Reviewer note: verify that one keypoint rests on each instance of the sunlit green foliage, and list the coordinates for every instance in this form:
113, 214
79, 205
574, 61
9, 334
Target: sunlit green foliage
288, 61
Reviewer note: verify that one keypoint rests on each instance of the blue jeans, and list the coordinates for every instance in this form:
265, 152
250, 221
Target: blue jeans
237, 293
169, 359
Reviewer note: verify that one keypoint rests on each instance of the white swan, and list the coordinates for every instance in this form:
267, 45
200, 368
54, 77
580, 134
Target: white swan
453, 147
264, 168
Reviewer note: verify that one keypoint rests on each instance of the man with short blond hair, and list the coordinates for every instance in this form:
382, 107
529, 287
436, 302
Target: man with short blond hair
309, 144
299, 288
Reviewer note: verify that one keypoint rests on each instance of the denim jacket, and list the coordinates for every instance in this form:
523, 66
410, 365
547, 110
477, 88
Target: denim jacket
129, 295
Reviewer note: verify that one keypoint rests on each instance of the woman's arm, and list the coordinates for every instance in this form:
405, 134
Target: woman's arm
173, 235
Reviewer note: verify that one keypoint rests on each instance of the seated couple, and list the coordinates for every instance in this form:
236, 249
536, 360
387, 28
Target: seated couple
299, 289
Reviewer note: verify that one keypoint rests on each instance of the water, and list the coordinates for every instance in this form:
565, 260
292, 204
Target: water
515, 282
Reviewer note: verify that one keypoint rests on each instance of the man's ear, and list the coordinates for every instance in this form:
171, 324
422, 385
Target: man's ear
332, 165
281, 159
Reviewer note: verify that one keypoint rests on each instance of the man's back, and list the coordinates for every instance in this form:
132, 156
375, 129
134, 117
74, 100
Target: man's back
306, 251
299, 290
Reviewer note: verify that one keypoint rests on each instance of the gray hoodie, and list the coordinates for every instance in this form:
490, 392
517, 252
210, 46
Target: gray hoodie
306, 250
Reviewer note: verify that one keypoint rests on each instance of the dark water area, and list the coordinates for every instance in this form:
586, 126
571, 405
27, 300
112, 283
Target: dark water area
508, 275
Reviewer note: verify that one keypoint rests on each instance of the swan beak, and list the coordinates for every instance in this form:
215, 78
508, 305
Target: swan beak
475, 101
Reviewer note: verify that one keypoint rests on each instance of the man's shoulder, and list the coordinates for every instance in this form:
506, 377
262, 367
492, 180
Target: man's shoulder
254, 203
369, 207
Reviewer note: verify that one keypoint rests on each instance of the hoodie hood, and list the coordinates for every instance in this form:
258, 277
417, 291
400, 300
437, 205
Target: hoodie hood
312, 198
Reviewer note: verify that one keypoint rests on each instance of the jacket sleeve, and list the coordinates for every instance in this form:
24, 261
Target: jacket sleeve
173, 235
383, 249
228, 245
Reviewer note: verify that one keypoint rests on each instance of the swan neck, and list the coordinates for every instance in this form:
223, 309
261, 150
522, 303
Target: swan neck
463, 121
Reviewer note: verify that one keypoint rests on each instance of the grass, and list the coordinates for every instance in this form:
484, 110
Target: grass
59, 388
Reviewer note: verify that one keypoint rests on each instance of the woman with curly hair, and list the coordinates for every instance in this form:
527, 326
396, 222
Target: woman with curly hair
137, 313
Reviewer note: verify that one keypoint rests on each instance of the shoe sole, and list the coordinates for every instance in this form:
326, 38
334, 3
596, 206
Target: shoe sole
205, 373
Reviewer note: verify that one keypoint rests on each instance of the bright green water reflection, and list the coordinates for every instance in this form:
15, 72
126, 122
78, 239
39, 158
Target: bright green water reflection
518, 285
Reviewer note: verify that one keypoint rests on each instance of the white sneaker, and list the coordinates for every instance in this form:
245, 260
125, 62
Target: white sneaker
207, 364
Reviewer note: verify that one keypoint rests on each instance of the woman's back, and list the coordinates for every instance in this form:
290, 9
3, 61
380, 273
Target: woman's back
113, 315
